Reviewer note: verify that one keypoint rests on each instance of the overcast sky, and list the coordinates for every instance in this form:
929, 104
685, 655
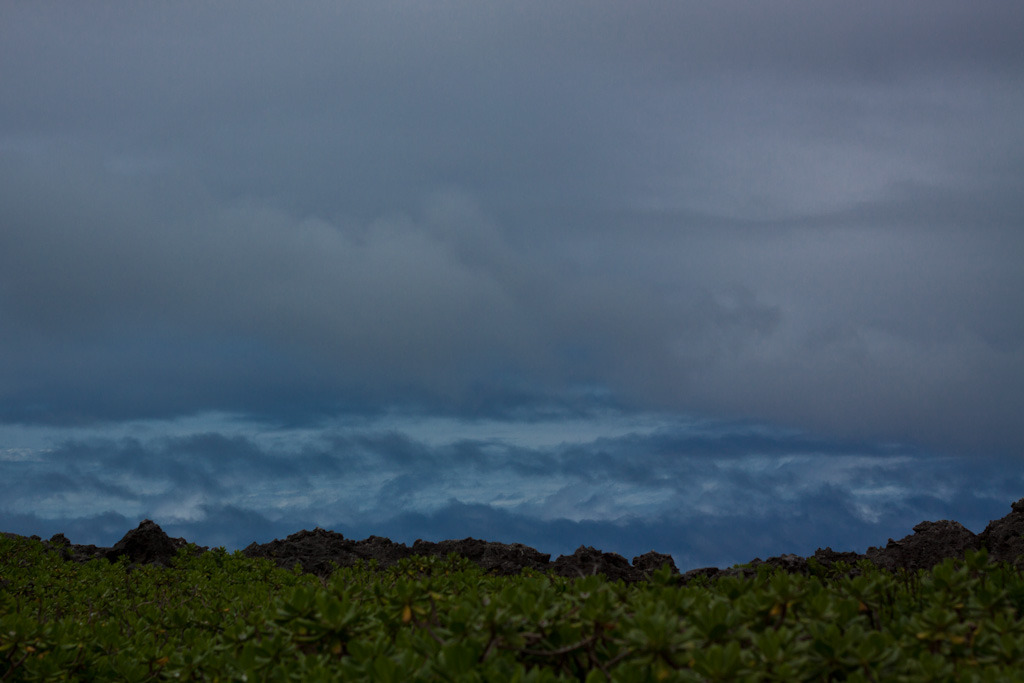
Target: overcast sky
721, 279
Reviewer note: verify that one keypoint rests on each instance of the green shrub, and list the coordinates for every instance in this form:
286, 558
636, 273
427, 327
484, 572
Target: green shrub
217, 616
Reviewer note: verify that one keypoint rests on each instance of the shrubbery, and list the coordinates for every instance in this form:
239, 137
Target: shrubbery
219, 616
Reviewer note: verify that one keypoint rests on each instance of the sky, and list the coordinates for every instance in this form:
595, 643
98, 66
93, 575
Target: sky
721, 280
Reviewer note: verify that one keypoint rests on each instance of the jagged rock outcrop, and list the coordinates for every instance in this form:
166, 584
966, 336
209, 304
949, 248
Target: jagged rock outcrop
930, 544
587, 561
146, 544
652, 561
500, 558
1004, 538
319, 551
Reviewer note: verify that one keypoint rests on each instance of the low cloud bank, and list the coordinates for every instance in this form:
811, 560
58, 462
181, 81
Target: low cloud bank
707, 493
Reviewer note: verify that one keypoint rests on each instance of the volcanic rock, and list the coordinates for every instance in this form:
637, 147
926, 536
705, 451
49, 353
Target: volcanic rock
702, 573
1004, 538
316, 552
500, 558
588, 560
650, 562
793, 564
929, 545
145, 544
828, 557
320, 551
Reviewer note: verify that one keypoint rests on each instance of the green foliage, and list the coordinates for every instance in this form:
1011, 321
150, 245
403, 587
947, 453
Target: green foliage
223, 617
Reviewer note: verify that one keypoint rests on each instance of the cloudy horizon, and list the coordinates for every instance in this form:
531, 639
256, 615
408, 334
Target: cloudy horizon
703, 279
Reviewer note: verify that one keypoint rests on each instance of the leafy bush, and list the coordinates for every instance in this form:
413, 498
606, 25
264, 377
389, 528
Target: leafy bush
220, 616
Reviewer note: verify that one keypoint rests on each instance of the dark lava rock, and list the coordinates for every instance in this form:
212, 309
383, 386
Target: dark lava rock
587, 561
793, 564
650, 562
316, 551
929, 545
82, 553
1004, 538
302, 544
500, 558
828, 557
702, 573
319, 551
59, 541
146, 544
382, 549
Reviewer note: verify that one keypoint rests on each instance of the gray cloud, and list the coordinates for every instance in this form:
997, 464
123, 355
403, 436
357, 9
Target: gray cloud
709, 494
799, 216
891, 334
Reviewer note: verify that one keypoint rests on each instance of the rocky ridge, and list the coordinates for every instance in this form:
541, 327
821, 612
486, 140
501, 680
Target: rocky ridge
319, 551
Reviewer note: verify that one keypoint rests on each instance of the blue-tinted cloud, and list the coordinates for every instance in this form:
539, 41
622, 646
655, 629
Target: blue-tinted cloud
799, 214
708, 493
411, 249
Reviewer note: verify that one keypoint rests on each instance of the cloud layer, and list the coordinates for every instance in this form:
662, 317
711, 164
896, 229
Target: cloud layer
798, 216
708, 493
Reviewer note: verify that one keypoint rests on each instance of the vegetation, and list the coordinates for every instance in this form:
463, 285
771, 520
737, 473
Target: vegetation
223, 617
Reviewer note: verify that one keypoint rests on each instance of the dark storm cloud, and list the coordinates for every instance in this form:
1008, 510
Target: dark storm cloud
800, 213
708, 494
405, 307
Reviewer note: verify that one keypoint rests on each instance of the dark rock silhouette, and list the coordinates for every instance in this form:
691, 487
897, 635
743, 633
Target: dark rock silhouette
146, 544
650, 562
497, 557
59, 540
930, 544
587, 561
1004, 537
828, 557
319, 551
